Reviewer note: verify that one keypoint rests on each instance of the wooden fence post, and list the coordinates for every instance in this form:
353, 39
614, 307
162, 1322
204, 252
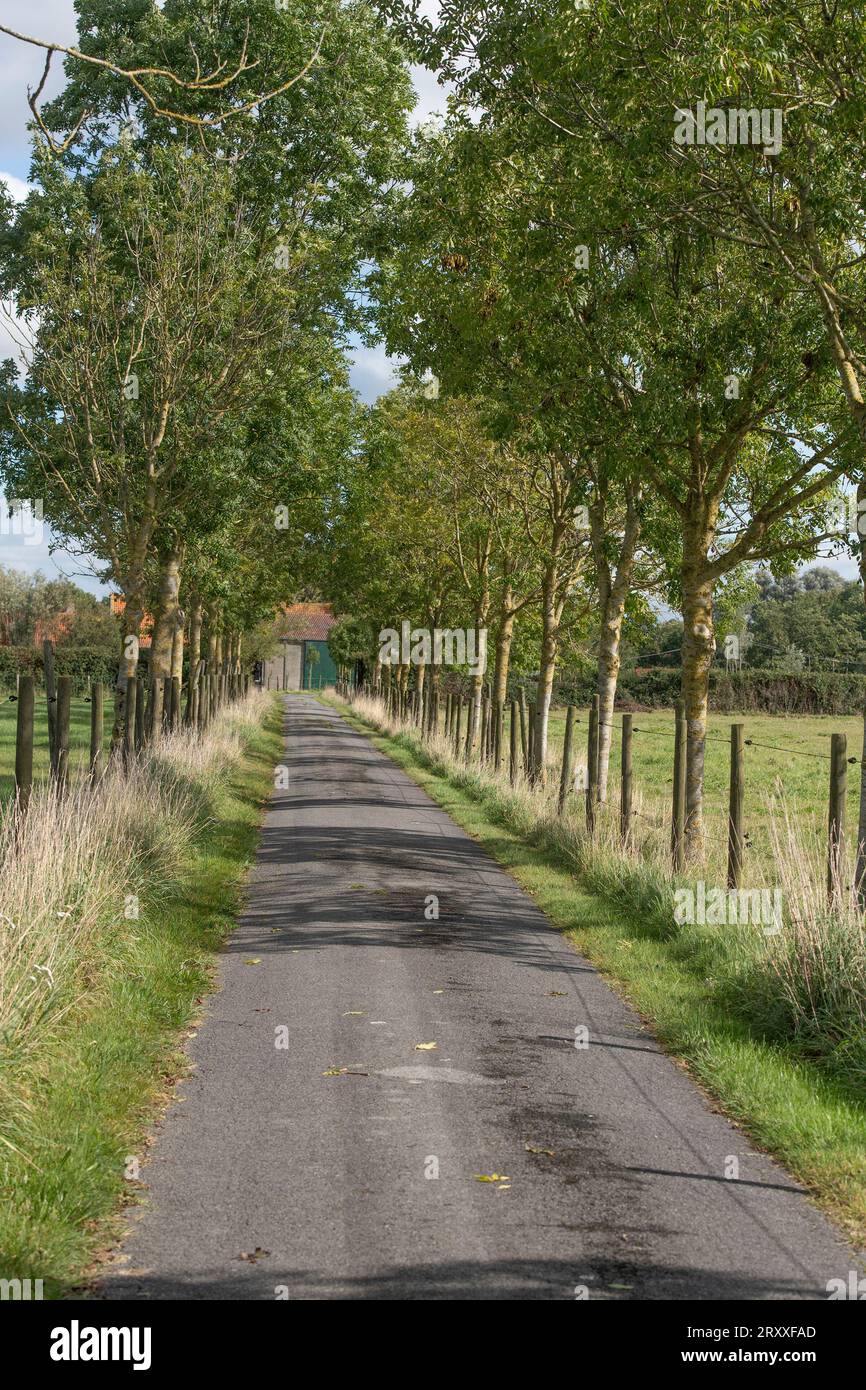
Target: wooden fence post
64, 701
140, 692
513, 741
130, 715
522, 709
567, 759
836, 823
142, 713
471, 728
592, 765
157, 701
51, 698
678, 812
97, 728
735, 807
24, 742
625, 797
530, 740
175, 703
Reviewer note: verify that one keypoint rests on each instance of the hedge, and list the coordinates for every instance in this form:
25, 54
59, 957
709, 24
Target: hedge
83, 664
756, 692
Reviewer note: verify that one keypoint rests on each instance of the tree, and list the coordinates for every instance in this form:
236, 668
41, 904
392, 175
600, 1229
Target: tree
720, 374
149, 83
152, 305
194, 278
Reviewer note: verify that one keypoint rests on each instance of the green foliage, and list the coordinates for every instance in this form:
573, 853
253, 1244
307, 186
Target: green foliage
352, 639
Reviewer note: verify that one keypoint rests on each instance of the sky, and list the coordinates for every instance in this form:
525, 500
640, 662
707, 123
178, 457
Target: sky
21, 67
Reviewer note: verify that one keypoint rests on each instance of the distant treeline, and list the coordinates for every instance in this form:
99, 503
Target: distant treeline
815, 620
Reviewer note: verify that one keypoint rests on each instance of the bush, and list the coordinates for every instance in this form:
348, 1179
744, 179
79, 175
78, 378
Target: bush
751, 691
83, 664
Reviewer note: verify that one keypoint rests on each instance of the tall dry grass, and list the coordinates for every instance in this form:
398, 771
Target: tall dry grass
75, 870
805, 983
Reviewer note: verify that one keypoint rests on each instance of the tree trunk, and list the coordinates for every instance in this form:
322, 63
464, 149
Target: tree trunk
698, 648
195, 624
212, 624
474, 721
613, 588
165, 632
433, 698
608, 675
504, 638
177, 645
551, 614
131, 620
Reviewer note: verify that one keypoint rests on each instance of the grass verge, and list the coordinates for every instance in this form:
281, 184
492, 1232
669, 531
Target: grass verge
811, 1120
88, 1095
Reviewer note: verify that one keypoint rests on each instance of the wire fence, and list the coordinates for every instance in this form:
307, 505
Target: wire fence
502, 736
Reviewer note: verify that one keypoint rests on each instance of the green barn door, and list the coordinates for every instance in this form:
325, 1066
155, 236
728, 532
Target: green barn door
319, 669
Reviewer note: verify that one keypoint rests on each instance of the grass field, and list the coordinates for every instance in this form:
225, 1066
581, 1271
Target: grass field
79, 739
788, 762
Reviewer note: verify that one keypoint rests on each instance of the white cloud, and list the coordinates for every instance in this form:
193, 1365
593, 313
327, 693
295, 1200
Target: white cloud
373, 371
431, 98
17, 187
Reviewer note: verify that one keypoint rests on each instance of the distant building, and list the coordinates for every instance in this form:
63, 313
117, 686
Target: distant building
304, 661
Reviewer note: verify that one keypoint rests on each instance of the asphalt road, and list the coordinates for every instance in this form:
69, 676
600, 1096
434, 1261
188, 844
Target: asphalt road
612, 1167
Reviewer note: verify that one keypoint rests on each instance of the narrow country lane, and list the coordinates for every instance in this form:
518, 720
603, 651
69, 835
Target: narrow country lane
612, 1165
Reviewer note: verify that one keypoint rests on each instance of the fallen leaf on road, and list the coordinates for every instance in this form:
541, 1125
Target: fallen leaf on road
251, 1256
344, 1071
492, 1177
254, 960
355, 1013
531, 1149
425, 1047
620, 1286
557, 994
438, 991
